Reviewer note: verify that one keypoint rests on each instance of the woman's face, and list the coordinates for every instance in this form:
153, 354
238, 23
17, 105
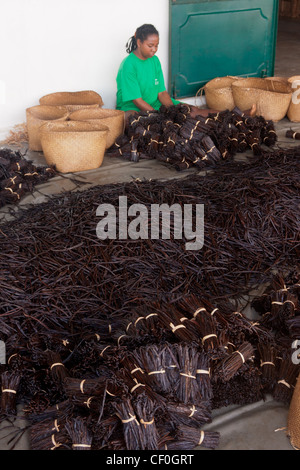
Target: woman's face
148, 48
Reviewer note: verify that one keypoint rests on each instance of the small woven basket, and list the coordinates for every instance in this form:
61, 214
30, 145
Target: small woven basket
112, 118
271, 97
74, 146
294, 108
36, 116
293, 426
73, 100
218, 93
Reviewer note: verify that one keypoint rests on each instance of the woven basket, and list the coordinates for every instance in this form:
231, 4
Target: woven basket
112, 118
218, 93
271, 97
73, 100
293, 426
74, 146
36, 116
294, 108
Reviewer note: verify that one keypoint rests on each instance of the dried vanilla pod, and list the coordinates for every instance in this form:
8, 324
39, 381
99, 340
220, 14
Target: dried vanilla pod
154, 369
10, 381
203, 374
268, 364
293, 134
146, 413
56, 366
286, 378
187, 389
133, 434
189, 414
79, 433
229, 366
187, 438
18, 176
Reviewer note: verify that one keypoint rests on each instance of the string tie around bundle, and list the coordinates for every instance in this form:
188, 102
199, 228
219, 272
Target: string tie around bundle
267, 363
174, 328
146, 423
56, 426
55, 444
203, 371
189, 375
102, 352
207, 337
137, 369
56, 364
201, 438
162, 371
128, 420
241, 355
138, 384
213, 311
283, 382
88, 402
88, 446
138, 319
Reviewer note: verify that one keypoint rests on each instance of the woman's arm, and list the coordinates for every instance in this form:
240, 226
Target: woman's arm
165, 98
142, 105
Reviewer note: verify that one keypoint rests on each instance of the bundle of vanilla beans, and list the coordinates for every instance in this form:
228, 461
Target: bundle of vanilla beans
133, 343
19, 176
175, 138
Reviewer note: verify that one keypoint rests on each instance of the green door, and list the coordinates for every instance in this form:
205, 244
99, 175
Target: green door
215, 38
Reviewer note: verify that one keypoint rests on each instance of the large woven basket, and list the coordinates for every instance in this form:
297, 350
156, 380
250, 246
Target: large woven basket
271, 97
218, 93
38, 115
73, 100
293, 427
294, 108
112, 118
74, 146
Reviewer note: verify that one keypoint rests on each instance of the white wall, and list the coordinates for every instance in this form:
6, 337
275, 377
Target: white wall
68, 45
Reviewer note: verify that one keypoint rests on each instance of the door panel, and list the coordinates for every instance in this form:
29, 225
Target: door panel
216, 38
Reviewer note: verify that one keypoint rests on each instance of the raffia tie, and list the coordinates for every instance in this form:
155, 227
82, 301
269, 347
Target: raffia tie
147, 423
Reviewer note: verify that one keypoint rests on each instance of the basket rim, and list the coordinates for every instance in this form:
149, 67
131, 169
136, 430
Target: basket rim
223, 82
74, 127
106, 113
40, 107
242, 86
97, 99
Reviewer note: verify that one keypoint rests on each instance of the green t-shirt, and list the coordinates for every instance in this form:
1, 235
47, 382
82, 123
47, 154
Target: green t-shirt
139, 78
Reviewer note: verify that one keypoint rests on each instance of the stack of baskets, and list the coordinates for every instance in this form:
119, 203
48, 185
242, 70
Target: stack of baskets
73, 130
273, 96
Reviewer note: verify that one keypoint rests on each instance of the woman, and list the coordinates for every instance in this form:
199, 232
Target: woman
140, 80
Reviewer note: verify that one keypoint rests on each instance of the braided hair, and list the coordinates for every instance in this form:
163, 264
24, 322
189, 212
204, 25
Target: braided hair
141, 33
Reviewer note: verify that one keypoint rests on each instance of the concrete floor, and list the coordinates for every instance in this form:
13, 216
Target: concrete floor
250, 427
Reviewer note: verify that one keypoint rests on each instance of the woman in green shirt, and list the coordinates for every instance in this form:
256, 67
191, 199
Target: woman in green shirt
140, 80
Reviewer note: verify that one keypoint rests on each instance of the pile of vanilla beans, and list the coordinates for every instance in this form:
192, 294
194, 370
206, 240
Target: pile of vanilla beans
173, 137
19, 176
132, 344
